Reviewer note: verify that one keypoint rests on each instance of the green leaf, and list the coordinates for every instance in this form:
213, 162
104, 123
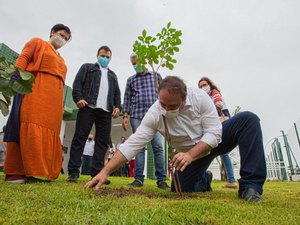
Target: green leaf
148, 39
140, 38
172, 30
176, 49
25, 75
4, 74
169, 65
4, 84
169, 25
4, 108
9, 92
10, 70
8, 100
2, 58
22, 87
177, 33
178, 42
144, 33
168, 57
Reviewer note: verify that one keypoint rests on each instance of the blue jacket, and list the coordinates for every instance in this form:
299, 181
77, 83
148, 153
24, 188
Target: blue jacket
87, 82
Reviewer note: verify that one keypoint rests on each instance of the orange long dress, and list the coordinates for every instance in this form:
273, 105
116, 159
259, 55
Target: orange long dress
39, 152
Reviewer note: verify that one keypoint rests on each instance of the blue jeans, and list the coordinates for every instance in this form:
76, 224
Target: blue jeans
228, 167
86, 166
244, 130
159, 161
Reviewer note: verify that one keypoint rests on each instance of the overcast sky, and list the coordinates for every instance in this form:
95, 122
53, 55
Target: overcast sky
251, 49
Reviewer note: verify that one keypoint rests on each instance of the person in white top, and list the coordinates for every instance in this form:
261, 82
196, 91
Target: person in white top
87, 157
197, 134
96, 93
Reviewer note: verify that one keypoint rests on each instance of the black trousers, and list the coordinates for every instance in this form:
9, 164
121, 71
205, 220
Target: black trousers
85, 119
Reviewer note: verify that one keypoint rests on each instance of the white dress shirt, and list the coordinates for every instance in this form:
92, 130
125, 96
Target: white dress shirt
197, 121
103, 91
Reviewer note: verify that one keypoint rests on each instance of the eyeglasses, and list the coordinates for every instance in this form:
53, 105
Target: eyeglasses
105, 56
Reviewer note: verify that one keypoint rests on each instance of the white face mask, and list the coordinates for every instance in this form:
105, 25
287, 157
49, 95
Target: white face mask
206, 89
170, 113
59, 41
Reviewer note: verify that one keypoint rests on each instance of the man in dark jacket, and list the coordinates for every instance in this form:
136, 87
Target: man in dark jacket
96, 93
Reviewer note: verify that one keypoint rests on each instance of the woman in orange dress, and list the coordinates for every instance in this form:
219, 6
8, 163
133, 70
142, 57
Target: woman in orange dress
37, 151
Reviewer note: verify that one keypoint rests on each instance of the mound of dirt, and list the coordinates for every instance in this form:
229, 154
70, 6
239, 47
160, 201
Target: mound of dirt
124, 192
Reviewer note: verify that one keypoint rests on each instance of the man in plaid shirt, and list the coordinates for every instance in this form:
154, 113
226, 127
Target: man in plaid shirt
140, 94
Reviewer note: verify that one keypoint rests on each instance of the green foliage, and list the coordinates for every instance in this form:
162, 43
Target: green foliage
59, 202
158, 50
13, 80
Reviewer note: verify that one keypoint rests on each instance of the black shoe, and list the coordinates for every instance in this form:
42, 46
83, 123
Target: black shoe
107, 182
72, 178
163, 185
210, 176
136, 183
250, 195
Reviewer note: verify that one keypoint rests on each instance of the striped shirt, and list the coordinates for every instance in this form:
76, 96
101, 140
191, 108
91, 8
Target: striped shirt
140, 94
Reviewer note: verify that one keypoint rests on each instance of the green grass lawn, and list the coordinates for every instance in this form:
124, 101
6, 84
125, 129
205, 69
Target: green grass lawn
64, 203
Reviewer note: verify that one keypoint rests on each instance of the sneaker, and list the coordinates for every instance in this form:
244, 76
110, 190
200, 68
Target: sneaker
250, 195
163, 185
72, 178
230, 185
136, 183
210, 176
15, 179
107, 182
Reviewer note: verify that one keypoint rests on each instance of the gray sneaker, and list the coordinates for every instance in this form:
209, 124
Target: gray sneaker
163, 185
136, 183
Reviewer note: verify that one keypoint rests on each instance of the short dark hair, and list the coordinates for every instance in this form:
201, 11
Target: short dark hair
60, 26
174, 84
104, 47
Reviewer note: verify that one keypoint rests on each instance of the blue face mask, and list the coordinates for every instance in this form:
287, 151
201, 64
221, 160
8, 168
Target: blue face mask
103, 61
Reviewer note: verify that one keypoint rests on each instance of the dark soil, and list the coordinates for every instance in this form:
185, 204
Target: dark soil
124, 192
